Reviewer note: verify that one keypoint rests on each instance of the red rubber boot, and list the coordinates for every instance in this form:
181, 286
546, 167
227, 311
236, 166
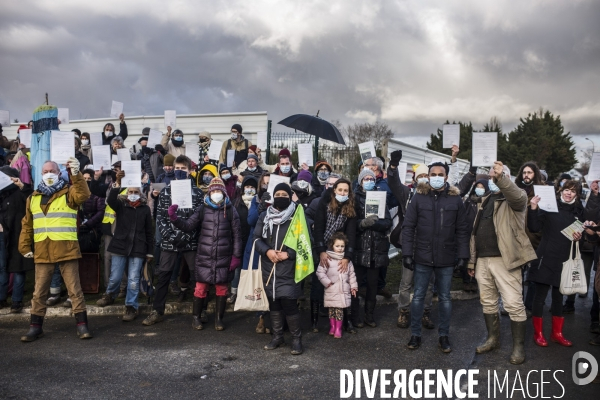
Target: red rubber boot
557, 336
538, 335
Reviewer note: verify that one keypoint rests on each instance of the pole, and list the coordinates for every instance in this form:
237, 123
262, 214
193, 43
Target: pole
316, 150
593, 146
268, 149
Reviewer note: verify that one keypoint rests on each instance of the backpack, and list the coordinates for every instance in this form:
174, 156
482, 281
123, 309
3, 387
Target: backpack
240, 155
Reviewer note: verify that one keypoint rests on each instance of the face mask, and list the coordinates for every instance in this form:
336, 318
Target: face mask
323, 175
493, 187
251, 169
281, 203
133, 197
436, 182
285, 168
85, 142
226, 177
423, 180
206, 179
216, 197
177, 138
368, 185
250, 192
238, 184
234, 136
479, 191
50, 178
108, 133
264, 187
341, 199
180, 174
203, 140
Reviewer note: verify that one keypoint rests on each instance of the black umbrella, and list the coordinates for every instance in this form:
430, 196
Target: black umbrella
314, 126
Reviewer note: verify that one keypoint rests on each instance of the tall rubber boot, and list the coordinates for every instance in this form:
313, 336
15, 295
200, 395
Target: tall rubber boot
221, 303
314, 315
557, 336
294, 322
277, 329
197, 311
518, 333
82, 326
492, 323
35, 329
538, 334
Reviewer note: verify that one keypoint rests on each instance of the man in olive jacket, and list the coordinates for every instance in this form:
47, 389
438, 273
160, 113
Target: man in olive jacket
499, 247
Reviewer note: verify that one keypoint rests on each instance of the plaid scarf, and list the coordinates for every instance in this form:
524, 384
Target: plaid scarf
50, 190
276, 217
334, 223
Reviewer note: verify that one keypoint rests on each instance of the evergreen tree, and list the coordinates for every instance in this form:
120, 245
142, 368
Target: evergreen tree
466, 134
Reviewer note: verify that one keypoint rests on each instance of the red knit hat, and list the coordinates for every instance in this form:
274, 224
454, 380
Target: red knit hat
253, 148
285, 153
217, 184
22, 127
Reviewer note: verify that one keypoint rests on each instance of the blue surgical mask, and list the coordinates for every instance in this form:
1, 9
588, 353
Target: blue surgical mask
285, 168
323, 175
177, 138
251, 169
493, 187
180, 174
423, 180
368, 185
341, 199
206, 179
437, 182
226, 176
479, 191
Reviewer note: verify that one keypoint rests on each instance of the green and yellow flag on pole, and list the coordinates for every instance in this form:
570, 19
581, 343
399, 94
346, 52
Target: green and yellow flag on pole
298, 238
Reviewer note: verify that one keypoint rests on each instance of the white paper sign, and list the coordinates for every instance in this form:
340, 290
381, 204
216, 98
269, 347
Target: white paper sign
25, 137
192, 151
548, 197
133, 173
485, 148
96, 139
5, 118
230, 157
451, 136
261, 140
375, 203
62, 146
114, 159
4, 180
275, 180
154, 138
402, 167
214, 151
305, 154
170, 118
367, 150
63, 115
124, 154
116, 109
181, 193
594, 171
158, 186
101, 156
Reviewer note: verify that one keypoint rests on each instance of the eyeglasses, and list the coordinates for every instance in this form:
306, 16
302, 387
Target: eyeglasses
368, 179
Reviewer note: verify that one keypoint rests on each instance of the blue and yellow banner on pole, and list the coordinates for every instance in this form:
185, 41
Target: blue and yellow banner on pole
298, 238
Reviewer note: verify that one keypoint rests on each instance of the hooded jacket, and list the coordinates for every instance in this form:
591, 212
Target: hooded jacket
372, 244
167, 142
12, 211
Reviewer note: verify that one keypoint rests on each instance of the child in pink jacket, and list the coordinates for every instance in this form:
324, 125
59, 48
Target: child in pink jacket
339, 286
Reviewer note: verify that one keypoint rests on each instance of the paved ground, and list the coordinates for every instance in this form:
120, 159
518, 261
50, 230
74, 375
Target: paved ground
170, 360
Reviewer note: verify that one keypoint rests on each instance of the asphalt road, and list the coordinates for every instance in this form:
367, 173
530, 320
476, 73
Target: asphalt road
171, 360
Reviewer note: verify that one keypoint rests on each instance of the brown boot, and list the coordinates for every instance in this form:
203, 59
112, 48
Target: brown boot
404, 319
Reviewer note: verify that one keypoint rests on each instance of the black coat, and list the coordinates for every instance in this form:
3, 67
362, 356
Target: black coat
316, 185
435, 231
12, 211
82, 158
372, 244
122, 132
554, 249
320, 225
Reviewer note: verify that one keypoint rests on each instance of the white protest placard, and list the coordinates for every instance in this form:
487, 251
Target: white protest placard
485, 148
375, 203
63, 115
305, 154
113, 159
192, 151
594, 171
62, 146
96, 139
214, 151
402, 168
133, 173
116, 109
158, 186
101, 156
547, 197
261, 140
275, 180
451, 136
230, 157
5, 118
367, 150
181, 193
25, 137
4, 180
123, 154
154, 138
170, 118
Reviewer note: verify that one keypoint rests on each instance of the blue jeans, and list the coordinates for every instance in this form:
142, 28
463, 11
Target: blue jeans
117, 269
56, 279
443, 278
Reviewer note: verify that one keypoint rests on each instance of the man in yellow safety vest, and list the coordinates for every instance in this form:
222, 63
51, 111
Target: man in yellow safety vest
49, 236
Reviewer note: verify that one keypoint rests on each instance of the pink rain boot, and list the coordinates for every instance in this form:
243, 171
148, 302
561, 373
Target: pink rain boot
332, 324
338, 329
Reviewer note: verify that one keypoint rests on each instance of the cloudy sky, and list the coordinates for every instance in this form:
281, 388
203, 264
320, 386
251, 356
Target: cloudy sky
411, 64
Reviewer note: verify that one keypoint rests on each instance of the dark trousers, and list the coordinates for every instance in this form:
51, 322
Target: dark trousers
168, 259
288, 306
595, 311
381, 277
317, 290
541, 291
371, 275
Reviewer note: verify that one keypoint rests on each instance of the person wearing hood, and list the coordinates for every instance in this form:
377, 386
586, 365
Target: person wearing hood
152, 160
284, 166
168, 171
109, 133
21, 161
251, 168
132, 244
173, 143
82, 158
475, 196
561, 180
204, 141
238, 143
319, 179
205, 176
230, 180
220, 248
86, 145
12, 210
303, 191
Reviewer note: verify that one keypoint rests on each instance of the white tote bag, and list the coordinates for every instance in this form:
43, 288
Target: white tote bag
572, 278
251, 292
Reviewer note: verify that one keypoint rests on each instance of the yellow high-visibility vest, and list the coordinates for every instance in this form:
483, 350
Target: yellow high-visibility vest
109, 213
60, 223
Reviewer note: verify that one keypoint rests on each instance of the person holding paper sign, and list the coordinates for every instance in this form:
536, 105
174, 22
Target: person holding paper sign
554, 249
238, 143
86, 145
108, 133
152, 160
204, 140
284, 167
229, 179
82, 158
173, 143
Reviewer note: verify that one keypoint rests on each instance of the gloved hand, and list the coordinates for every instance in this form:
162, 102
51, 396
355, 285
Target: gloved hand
408, 263
264, 199
162, 150
473, 170
73, 165
29, 255
235, 263
461, 264
172, 211
368, 222
395, 158
147, 150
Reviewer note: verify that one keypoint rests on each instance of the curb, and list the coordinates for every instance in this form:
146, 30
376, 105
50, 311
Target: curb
185, 308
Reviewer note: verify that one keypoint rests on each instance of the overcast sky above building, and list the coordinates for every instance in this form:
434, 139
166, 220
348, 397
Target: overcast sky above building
411, 64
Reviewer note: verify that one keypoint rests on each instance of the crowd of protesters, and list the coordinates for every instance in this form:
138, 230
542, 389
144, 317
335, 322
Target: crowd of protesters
486, 229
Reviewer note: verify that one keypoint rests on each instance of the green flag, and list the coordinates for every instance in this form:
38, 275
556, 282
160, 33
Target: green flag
297, 238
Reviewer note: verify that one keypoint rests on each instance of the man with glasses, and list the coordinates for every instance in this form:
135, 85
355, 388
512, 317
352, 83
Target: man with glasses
238, 143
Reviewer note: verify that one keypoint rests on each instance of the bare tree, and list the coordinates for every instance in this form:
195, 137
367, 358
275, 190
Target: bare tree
360, 133
586, 160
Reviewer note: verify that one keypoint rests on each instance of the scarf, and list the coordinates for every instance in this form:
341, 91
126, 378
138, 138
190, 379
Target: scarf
567, 202
50, 190
276, 217
247, 200
334, 223
134, 204
335, 256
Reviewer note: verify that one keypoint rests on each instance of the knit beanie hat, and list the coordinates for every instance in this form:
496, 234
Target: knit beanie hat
284, 153
168, 160
237, 127
421, 169
305, 176
323, 163
365, 172
205, 134
252, 156
142, 138
283, 186
21, 127
224, 167
145, 131
253, 148
217, 184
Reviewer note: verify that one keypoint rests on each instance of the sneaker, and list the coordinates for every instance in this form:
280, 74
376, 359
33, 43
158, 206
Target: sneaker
153, 318
130, 314
231, 298
414, 343
445, 344
595, 327
568, 308
53, 300
174, 288
385, 293
105, 300
16, 307
67, 303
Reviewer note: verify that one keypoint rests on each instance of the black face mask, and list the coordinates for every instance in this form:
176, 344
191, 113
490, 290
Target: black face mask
281, 203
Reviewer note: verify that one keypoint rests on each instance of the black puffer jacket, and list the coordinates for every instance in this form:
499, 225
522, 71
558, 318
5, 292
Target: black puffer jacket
220, 238
12, 210
133, 235
173, 239
435, 231
372, 244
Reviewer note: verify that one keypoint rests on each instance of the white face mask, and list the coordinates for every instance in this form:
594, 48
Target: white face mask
234, 136
108, 133
85, 142
216, 197
50, 178
133, 197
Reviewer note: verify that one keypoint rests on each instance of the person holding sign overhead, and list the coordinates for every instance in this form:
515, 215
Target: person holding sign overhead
108, 133
173, 145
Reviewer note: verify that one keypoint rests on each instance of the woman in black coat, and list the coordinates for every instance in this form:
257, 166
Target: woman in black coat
553, 251
12, 210
278, 264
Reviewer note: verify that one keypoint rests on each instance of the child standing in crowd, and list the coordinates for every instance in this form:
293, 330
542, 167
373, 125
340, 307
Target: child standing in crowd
339, 286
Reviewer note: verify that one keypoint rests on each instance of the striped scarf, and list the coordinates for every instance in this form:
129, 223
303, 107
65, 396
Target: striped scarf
334, 223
